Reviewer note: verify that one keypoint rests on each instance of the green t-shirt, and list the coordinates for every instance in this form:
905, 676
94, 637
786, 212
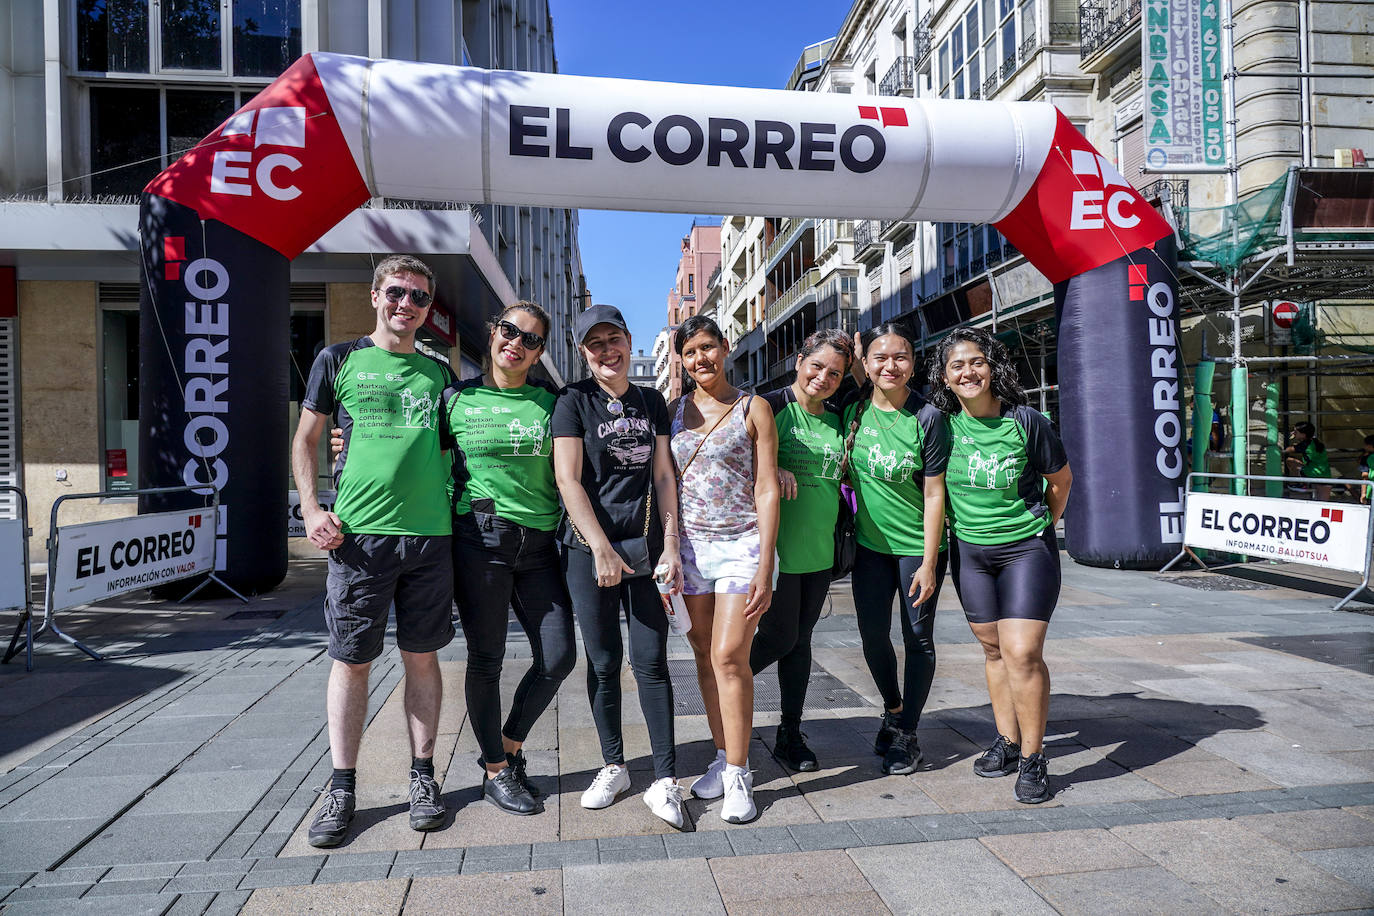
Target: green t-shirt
994, 487
505, 450
392, 475
1315, 461
894, 451
811, 448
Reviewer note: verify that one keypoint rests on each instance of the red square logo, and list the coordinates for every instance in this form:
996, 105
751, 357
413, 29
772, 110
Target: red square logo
868, 111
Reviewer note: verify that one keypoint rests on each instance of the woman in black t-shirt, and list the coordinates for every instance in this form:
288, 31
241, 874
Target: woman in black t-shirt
615, 475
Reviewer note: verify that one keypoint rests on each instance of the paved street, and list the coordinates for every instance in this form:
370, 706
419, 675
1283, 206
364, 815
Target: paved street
1210, 747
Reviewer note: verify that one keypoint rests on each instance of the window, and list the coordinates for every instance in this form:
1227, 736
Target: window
128, 146
260, 39
691, 285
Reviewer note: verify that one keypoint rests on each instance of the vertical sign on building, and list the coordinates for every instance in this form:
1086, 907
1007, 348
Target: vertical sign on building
1182, 63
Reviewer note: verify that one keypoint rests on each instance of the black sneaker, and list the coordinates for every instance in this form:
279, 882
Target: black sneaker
789, 746
887, 730
517, 762
331, 823
903, 755
506, 792
426, 807
1002, 759
1033, 783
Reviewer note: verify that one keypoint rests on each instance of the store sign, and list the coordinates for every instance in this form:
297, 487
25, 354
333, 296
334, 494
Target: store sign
13, 574
1333, 535
1182, 65
295, 521
99, 560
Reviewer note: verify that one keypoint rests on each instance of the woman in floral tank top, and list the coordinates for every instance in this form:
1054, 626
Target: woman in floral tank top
725, 446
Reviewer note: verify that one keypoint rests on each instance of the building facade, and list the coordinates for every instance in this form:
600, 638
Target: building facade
1085, 58
699, 259
112, 93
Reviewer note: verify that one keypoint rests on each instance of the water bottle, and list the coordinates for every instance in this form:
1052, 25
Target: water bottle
673, 606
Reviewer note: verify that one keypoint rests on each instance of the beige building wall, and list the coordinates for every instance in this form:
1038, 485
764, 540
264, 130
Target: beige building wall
59, 401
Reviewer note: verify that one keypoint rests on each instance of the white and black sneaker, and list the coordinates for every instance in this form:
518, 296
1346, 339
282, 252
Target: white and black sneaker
738, 807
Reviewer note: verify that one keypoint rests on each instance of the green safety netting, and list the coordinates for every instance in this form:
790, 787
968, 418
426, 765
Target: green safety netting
1226, 236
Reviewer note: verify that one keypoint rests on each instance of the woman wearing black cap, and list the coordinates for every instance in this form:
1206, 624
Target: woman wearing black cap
615, 474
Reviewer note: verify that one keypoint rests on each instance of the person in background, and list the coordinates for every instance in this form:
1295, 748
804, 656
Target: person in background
810, 455
1307, 457
615, 473
1008, 483
725, 449
896, 450
1366, 466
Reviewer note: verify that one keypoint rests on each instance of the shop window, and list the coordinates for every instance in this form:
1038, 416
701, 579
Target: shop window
119, 349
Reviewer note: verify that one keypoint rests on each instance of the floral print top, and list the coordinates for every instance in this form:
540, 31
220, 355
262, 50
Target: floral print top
716, 495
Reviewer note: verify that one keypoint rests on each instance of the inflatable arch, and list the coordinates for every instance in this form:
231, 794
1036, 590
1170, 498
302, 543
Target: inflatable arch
220, 226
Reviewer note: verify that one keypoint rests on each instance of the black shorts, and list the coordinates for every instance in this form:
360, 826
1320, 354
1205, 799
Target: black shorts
1019, 580
370, 571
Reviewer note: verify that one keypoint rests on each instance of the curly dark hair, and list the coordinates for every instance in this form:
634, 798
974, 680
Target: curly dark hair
1006, 386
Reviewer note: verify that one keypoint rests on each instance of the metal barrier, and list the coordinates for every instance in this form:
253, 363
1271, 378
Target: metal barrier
54, 546
26, 618
1368, 559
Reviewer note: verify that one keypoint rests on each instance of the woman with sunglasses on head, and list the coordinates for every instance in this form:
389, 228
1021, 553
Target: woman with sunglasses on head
725, 448
895, 455
1008, 483
506, 516
615, 473
810, 455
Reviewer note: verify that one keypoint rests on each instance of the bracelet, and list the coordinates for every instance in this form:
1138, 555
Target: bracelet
671, 536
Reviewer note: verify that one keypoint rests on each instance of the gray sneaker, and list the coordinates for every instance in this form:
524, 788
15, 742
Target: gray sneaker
1002, 759
331, 822
426, 807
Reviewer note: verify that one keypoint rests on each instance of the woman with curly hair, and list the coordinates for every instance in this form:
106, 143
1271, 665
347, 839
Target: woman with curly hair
1007, 483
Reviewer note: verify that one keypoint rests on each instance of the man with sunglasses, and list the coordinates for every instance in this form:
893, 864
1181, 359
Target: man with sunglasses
389, 534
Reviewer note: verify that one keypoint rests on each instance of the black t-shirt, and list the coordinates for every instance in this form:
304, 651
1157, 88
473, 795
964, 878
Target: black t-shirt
617, 466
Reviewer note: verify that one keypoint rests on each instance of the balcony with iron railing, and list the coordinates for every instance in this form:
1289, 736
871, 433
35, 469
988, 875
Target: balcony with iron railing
782, 306
789, 230
865, 235
922, 40
1170, 192
1101, 22
900, 77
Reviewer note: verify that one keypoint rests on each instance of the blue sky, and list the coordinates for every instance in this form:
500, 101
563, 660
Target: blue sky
630, 259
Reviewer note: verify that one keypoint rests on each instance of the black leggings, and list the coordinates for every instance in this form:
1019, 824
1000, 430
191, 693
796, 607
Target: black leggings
598, 613
878, 578
498, 565
784, 636
999, 581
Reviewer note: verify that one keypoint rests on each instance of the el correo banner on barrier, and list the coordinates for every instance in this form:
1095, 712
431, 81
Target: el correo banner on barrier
1333, 535
1182, 63
295, 522
13, 575
102, 559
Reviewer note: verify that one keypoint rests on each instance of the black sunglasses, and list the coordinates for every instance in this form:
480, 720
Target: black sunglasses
419, 297
531, 340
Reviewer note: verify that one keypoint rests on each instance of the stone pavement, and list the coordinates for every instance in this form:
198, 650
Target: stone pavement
1210, 746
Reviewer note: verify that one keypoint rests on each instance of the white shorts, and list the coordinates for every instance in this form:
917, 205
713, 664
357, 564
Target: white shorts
721, 566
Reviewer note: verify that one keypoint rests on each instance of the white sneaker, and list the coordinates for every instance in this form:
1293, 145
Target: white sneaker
664, 799
738, 807
710, 785
607, 784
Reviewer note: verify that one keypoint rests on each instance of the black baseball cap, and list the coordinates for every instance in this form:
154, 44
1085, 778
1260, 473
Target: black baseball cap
598, 314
